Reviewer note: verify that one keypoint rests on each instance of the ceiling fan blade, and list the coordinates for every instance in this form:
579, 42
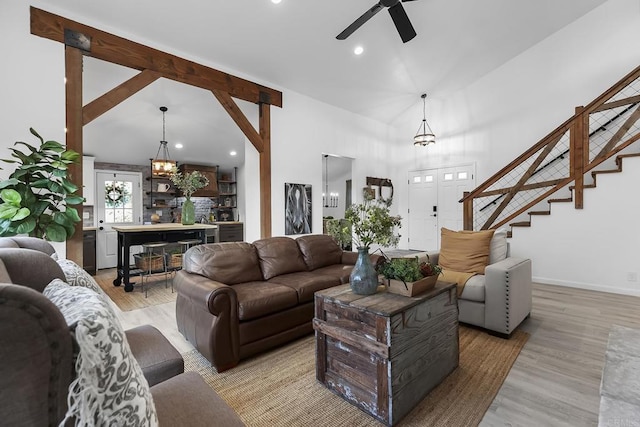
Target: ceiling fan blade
360, 21
401, 20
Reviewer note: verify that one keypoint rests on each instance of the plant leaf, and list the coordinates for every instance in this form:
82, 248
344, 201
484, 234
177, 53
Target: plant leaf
21, 214
10, 196
7, 182
72, 214
7, 211
55, 232
74, 200
33, 132
27, 226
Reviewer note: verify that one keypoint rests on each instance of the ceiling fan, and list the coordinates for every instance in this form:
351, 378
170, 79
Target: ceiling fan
398, 14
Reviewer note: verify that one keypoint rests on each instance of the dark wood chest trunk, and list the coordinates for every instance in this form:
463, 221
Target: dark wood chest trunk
384, 353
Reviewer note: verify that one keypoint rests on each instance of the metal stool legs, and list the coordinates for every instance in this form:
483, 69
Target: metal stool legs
152, 266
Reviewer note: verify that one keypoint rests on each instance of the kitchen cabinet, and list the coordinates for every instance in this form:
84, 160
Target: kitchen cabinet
225, 205
89, 180
230, 232
89, 251
211, 172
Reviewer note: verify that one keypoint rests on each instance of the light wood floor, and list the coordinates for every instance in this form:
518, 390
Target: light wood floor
554, 382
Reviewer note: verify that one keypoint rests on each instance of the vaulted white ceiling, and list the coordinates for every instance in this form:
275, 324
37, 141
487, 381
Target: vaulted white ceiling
292, 45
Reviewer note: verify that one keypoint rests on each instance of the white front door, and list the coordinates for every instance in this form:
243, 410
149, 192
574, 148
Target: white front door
119, 202
452, 183
434, 196
423, 205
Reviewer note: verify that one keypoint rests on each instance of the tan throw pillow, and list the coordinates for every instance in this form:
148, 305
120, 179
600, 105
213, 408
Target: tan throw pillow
465, 251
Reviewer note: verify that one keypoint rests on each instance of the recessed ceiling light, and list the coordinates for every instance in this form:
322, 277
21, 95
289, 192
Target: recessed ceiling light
178, 145
275, 1
233, 153
358, 50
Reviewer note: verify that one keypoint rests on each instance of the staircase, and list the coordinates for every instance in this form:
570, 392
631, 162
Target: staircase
561, 165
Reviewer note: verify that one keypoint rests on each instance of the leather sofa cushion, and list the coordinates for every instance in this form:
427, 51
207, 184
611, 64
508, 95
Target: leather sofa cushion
319, 250
339, 271
228, 263
306, 283
279, 255
257, 299
474, 289
158, 359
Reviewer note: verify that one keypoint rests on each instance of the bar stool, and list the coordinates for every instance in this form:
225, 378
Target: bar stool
187, 243
149, 252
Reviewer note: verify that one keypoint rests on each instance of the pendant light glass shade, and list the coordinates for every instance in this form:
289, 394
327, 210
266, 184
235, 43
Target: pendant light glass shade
162, 165
425, 135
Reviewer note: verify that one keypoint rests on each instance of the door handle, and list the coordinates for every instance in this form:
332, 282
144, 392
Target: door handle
101, 221
100, 228
434, 215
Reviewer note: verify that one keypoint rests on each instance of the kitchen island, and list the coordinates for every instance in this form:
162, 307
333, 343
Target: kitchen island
129, 235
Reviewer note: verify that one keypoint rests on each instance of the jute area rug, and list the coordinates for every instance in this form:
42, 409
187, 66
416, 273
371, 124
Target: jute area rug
279, 388
127, 301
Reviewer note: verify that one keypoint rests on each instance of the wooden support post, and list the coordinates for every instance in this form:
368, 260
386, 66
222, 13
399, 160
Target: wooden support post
577, 163
73, 112
467, 212
265, 171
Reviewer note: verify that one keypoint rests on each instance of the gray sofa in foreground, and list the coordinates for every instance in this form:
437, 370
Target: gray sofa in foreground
37, 352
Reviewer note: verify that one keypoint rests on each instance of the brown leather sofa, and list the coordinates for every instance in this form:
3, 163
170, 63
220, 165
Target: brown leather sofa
36, 352
239, 299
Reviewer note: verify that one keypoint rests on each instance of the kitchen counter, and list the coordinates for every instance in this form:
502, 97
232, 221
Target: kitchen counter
225, 222
89, 228
130, 235
162, 227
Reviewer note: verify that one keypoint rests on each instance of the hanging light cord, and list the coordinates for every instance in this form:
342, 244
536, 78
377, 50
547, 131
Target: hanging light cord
163, 143
326, 180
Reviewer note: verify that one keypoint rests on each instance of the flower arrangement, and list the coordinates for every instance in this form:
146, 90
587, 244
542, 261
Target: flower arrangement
188, 182
372, 222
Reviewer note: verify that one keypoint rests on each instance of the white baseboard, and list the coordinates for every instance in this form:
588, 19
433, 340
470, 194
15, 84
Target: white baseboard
587, 286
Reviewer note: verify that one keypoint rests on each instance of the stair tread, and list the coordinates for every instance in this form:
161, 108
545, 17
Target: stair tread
521, 224
573, 187
568, 199
540, 213
605, 171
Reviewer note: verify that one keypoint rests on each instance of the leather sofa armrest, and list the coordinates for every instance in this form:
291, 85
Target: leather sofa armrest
207, 316
507, 294
201, 291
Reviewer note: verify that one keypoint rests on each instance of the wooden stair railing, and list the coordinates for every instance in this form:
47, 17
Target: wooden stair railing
595, 133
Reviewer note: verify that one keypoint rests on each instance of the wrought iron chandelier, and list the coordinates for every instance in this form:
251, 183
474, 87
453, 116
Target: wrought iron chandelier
162, 166
425, 135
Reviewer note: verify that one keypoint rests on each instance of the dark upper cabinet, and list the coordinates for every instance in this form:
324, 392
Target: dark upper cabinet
211, 172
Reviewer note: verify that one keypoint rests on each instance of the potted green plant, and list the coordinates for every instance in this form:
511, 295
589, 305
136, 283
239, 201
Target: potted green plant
409, 276
37, 199
340, 229
188, 183
371, 223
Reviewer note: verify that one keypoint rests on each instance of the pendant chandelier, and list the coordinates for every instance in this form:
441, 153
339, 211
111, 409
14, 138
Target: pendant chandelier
162, 165
425, 135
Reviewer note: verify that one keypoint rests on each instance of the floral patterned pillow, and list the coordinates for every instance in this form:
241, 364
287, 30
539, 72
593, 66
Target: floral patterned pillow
109, 388
77, 276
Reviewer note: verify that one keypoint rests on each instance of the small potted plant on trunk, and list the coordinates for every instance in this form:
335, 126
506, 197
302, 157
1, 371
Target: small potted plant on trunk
409, 276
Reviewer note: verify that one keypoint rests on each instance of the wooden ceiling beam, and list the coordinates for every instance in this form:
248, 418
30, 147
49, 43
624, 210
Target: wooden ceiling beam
115, 96
241, 120
109, 47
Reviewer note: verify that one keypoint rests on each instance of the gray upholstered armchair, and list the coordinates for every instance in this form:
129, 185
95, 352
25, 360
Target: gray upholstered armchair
500, 299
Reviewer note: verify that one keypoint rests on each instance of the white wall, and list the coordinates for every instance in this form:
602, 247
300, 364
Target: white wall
306, 128
505, 112
593, 248
32, 78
